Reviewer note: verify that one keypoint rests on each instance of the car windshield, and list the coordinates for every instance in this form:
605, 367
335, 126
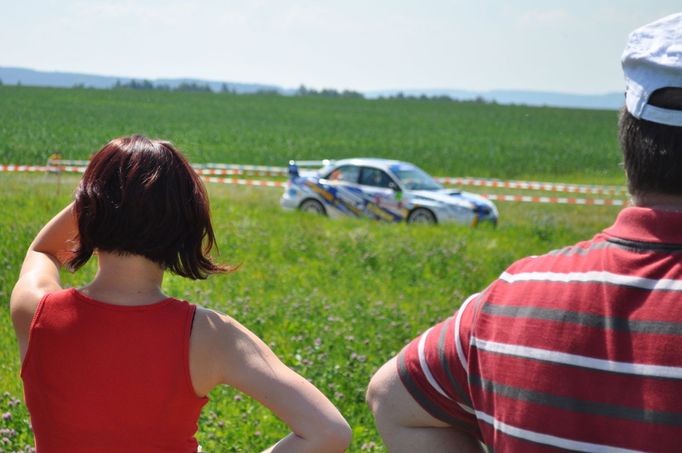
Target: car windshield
414, 178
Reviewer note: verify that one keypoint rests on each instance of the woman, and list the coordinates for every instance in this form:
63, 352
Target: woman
119, 366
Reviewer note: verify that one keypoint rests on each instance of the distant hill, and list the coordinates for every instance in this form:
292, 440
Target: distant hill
611, 101
13, 76
607, 101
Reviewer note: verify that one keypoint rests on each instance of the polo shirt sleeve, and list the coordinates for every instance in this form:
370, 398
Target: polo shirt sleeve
433, 368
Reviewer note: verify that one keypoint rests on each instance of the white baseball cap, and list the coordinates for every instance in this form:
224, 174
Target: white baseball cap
653, 60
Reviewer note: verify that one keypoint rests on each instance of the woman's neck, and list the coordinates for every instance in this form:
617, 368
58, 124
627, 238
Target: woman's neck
126, 280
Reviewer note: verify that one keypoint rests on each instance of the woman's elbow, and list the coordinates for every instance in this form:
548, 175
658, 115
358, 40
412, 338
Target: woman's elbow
335, 436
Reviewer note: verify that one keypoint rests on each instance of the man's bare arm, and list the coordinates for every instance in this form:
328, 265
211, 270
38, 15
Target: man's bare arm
402, 423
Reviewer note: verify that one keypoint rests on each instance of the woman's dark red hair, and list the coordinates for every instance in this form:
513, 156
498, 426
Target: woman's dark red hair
140, 196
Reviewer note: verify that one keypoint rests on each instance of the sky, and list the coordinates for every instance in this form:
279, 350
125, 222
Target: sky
570, 46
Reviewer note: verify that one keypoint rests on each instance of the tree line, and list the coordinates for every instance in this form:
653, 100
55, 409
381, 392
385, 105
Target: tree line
302, 90
225, 88
149, 85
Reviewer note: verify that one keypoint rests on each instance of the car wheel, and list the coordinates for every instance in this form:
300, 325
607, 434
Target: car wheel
421, 215
313, 206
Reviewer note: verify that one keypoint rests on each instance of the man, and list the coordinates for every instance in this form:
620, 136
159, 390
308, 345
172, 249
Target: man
579, 349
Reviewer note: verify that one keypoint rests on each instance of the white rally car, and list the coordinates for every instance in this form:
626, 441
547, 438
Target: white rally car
382, 189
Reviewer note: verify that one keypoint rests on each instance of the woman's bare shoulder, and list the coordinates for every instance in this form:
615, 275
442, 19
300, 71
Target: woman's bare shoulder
210, 325
24, 302
223, 334
222, 351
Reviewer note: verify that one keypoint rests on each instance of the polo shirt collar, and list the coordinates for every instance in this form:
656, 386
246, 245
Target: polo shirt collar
648, 225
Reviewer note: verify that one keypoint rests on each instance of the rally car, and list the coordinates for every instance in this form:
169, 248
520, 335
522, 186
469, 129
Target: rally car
382, 189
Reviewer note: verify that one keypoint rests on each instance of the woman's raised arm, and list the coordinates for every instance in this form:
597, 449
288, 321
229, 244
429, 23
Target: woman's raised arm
40, 271
222, 351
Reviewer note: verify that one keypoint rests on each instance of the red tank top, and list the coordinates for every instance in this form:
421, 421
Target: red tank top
107, 378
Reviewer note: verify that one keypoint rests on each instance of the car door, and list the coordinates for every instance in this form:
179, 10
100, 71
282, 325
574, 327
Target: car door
382, 200
342, 182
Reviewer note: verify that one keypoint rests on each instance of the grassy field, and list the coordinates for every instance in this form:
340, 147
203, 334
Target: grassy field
445, 138
334, 299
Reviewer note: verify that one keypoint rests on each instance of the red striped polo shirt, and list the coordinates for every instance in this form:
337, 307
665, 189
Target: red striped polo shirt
578, 349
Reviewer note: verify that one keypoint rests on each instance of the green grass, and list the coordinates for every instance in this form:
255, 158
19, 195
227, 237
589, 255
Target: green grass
333, 298
445, 138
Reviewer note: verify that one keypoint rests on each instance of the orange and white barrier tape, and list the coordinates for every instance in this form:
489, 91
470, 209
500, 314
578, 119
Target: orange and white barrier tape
208, 172
265, 170
244, 182
245, 168
217, 171
72, 163
237, 169
69, 169
41, 168
534, 185
556, 200
494, 197
24, 168
81, 169
202, 169
226, 171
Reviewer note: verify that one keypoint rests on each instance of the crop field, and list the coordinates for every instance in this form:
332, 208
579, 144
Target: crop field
333, 298
445, 138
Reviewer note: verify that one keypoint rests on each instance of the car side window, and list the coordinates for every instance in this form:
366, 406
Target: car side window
345, 173
374, 177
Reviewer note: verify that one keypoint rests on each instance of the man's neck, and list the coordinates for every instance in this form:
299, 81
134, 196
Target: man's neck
658, 201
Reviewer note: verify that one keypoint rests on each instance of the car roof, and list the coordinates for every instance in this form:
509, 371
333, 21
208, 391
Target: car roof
372, 162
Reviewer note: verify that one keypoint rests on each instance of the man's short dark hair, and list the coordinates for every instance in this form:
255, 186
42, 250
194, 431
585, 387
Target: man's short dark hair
141, 197
652, 152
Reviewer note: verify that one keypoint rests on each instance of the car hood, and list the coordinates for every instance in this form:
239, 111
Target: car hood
451, 196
